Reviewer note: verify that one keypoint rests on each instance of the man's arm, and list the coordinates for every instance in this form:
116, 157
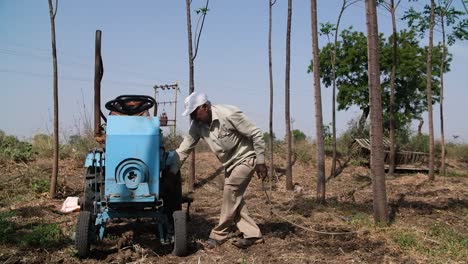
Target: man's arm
185, 148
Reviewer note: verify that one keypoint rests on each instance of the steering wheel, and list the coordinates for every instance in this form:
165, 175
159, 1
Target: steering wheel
131, 104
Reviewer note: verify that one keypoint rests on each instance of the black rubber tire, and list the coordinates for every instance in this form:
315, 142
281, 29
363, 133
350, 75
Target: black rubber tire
180, 233
83, 234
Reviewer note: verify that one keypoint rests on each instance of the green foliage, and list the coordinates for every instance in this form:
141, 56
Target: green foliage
298, 135
266, 137
39, 185
43, 236
352, 79
7, 228
327, 134
202, 10
13, 149
454, 24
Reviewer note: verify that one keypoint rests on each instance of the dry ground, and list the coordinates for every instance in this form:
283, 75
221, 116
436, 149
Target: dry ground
429, 219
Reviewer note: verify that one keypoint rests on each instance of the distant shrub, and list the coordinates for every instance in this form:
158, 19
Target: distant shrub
304, 151
43, 145
420, 143
458, 152
78, 146
298, 135
266, 137
13, 149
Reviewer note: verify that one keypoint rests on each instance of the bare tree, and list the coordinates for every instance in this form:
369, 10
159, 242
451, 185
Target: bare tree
429, 94
289, 183
345, 5
380, 204
442, 14
270, 68
391, 7
192, 56
55, 168
318, 106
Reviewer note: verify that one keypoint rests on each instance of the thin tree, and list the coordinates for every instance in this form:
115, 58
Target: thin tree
429, 94
55, 168
391, 7
448, 17
192, 56
380, 205
318, 106
289, 184
344, 5
442, 12
270, 70
452, 28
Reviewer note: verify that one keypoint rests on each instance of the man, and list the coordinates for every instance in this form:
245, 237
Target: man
239, 146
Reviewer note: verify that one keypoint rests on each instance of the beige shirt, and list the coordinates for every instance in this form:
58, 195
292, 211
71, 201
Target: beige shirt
231, 136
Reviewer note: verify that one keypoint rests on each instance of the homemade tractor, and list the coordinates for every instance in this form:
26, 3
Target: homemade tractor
129, 177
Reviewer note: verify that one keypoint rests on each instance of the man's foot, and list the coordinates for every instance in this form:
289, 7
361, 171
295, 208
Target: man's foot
247, 242
213, 243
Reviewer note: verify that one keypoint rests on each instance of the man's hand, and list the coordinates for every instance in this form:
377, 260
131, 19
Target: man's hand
262, 171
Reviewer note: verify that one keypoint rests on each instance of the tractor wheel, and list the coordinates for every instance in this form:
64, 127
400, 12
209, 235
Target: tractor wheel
180, 233
83, 234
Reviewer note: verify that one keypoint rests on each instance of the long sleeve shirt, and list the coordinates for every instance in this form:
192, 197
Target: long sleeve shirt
231, 136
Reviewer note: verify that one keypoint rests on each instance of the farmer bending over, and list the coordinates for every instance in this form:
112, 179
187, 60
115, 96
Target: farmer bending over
239, 146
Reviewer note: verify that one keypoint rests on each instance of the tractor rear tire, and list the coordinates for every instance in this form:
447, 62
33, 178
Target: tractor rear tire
83, 234
180, 233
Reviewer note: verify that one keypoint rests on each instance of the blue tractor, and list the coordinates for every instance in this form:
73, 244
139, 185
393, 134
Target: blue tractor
129, 177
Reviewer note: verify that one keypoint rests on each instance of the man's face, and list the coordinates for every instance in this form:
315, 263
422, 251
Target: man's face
202, 114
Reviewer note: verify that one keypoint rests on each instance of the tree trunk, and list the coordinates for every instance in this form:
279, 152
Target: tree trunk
335, 43
429, 95
55, 168
420, 125
362, 120
270, 69
380, 205
191, 182
318, 106
442, 69
392, 91
289, 182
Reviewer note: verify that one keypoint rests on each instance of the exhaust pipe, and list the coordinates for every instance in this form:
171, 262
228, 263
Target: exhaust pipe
98, 73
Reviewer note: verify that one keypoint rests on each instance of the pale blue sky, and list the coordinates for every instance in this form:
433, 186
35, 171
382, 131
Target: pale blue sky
145, 43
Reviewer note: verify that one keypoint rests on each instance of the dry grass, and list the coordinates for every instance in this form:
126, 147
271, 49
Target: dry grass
429, 222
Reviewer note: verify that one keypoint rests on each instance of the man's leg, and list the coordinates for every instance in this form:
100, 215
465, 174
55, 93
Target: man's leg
233, 209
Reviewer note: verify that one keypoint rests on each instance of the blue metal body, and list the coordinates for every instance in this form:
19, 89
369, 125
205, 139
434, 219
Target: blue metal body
132, 159
130, 168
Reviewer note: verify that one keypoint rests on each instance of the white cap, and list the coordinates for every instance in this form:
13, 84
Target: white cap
193, 101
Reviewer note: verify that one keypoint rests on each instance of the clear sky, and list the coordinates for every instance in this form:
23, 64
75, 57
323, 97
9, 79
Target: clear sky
145, 43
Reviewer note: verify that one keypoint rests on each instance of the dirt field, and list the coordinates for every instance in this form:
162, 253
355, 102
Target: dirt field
429, 220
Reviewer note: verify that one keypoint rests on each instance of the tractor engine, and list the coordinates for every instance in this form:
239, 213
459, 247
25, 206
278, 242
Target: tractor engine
132, 160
